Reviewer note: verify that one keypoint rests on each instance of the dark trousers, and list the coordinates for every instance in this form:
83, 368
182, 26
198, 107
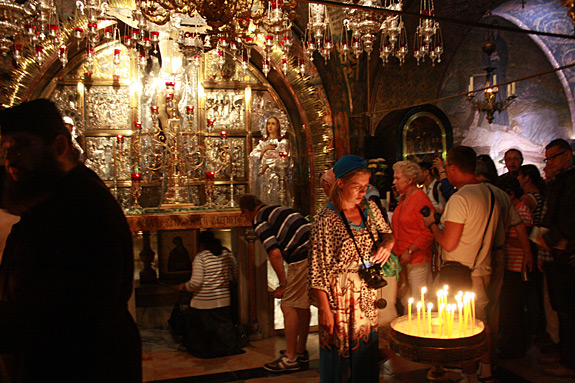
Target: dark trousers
561, 280
513, 319
210, 333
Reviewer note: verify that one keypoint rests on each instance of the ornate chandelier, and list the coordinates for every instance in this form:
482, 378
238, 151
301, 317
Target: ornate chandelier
34, 24
491, 101
428, 39
234, 24
361, 28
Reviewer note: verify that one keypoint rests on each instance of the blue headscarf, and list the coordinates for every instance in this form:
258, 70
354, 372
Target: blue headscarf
348, 163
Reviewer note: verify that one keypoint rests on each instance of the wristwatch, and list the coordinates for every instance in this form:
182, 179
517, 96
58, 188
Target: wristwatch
409, 251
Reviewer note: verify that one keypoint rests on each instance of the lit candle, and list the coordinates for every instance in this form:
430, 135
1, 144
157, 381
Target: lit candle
513, 88
439, 300
423, 291
494, 79
441, 310
429, 308
471, 84
419, 306
450, 315
467, 309
508, 90
465, 313
460, 306
409, 303
472, 296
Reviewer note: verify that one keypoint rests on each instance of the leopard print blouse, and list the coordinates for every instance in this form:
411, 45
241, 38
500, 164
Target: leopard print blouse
333, 268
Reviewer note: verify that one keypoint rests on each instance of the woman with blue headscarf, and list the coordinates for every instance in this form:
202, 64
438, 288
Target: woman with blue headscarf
348, 235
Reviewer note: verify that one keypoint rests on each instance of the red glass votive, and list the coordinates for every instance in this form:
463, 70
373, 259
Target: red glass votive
223, 134
155, 109
190, 109
120, 138
136, 177
210, 176
138, 124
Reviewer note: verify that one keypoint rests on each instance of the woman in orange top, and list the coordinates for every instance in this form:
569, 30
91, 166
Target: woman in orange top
413, 240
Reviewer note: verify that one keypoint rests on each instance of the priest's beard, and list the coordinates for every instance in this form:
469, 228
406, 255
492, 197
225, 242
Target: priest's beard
35, 185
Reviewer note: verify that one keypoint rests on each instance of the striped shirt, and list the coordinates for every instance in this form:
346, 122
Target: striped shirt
210, 282
514, 255
282, 228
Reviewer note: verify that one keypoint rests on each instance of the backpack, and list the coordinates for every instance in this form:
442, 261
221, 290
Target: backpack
436, 191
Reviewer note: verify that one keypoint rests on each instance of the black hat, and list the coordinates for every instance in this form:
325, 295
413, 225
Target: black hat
39, 117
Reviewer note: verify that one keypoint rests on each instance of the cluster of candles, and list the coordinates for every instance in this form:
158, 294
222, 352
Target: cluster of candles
442, 324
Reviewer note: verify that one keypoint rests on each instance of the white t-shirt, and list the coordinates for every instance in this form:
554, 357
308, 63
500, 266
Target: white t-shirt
470, 206
438, 203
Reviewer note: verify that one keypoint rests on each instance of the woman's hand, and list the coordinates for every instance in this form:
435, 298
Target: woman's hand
279, 292
405, 257
382, 254
266, 148
326, 319
182, 287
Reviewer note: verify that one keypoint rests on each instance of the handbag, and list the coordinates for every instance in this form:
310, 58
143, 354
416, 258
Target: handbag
457, 275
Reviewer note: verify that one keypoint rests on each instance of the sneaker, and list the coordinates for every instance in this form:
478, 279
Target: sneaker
283, 364
301, 356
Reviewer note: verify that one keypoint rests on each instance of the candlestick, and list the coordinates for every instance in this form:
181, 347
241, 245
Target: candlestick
429, 308
513, 88
442, 311
419, 306
409, 302
209, 188
465, 311
439, 300
471, 84
472, 296
451, 314
423, 291
460, 306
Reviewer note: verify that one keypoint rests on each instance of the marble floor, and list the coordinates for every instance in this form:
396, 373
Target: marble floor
164, 360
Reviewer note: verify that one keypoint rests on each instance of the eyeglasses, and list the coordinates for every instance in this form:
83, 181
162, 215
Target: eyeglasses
552, 158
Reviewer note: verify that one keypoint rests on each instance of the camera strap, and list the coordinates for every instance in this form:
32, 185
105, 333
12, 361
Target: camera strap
350, 232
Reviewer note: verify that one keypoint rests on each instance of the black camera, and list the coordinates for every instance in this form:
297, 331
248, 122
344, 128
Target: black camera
425, 211
373, 276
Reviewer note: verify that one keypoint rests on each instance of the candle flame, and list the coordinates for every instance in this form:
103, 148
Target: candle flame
423, 290
419, 305
410, 301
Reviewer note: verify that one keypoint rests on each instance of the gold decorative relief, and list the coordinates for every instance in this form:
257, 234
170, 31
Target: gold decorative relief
107, 107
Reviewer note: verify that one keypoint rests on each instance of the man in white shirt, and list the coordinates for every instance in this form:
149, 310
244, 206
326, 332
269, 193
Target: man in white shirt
431, 185
470, 222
